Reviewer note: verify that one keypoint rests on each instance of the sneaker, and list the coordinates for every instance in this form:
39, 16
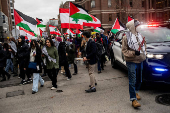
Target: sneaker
68, 79
23, 82
91, 90
136, 104
33, 92
29, 80
19, 77
53, 88
61, 72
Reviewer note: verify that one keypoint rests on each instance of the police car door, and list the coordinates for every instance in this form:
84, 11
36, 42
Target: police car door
117, 49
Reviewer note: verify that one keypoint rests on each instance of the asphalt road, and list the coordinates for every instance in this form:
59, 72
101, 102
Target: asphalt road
112, 95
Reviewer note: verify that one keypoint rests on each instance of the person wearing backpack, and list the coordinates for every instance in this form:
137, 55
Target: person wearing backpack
99, 45
100, 41
91, 58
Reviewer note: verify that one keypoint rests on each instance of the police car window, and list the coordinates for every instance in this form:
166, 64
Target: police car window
153, 35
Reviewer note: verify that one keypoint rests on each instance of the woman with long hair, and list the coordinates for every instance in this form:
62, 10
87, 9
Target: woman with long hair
50, 53
35, 58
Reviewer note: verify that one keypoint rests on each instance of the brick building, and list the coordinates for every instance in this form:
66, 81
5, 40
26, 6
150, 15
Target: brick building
143, 10
6, 18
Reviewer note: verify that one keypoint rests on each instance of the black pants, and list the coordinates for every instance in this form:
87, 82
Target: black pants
52, 74
23, 72
66, 68
102, 61
2, 72
75, 68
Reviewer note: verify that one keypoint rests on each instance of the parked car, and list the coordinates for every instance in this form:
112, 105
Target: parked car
157, 64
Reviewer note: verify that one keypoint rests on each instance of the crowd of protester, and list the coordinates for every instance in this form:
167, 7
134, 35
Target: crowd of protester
31, 61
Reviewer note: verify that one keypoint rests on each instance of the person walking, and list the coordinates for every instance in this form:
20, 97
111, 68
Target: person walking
50, 53
9, 63
2, 63
13, 50
42, 44
134, 59
71, 55
91, 58
63, 58
35, 65
22, 55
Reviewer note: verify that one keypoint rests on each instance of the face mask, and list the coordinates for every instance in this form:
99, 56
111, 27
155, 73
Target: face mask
67, 37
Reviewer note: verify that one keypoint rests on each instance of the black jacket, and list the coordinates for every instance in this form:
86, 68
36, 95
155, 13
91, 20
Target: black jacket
71, 51
23, 53
37, 60
62, 54
91, 52
2, 57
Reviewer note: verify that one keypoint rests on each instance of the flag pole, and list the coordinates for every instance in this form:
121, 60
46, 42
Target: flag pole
69, 20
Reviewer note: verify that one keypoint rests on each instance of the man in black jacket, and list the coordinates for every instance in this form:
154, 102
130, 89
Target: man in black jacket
91, 58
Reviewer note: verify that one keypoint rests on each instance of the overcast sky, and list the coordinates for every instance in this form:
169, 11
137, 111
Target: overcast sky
43, 9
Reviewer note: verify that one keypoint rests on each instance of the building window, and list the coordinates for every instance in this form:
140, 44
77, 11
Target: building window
11, 4
109, 3
149, 4
110, 17
143, 17
13, 24
166, 3
93, 4
12, 10
159, 4
3, 16
143, 3
131, 3
12, 16
153, 4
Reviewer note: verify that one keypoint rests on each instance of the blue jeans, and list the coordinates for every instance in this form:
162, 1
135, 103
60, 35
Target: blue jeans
9, 64
99, 67
37, 78
135, 78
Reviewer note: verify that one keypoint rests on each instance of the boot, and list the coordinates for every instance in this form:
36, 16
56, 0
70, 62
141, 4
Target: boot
135, 104
138, 97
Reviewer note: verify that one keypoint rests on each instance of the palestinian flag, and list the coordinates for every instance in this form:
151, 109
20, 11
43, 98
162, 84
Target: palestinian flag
65, 19
95, 23
117, 26
40, 32
129, 18
40, 23
69, 31
78, 12
99, 29
28, 35
78, 32
28, 24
